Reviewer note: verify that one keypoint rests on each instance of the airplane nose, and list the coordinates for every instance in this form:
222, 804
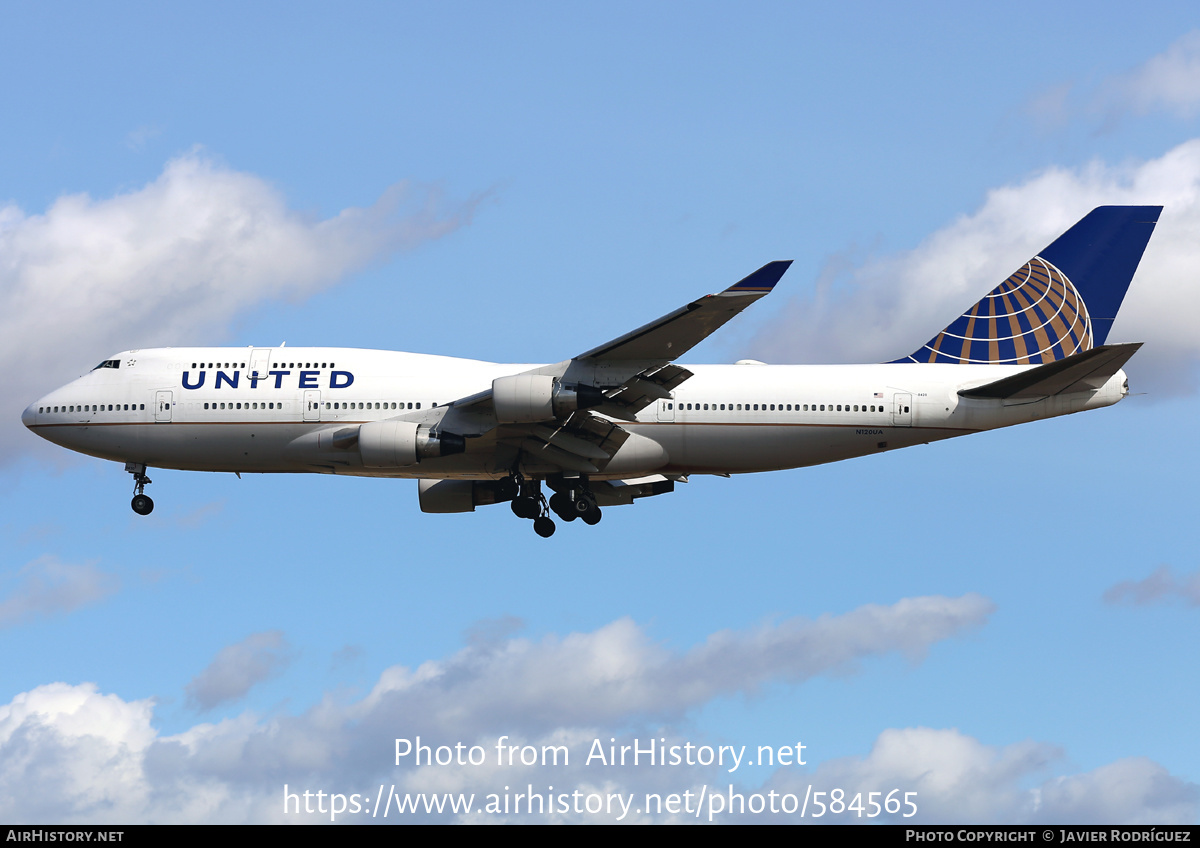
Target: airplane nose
29, 416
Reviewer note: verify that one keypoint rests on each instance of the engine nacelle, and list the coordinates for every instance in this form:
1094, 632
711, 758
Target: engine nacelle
458, 495
446, 495
529, 398
398, 444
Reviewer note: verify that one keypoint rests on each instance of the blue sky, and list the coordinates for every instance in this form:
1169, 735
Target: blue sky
1002, 624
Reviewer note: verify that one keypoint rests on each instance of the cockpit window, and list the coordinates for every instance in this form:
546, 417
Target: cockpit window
108, 363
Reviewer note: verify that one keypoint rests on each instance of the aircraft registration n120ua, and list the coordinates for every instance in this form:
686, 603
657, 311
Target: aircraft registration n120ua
620, 421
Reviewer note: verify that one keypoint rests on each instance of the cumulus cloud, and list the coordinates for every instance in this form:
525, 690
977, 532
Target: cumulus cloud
69, 751
107, 763
885, 307
48, 586
1162, 585
238, 668
172, 262
959, 780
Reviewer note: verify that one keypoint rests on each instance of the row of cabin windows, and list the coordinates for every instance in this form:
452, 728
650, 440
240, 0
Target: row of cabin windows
780, 407
384, 405
94, 407
196, 365
244, 406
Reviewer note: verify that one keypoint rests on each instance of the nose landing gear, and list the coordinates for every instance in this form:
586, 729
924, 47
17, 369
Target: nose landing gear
141, 503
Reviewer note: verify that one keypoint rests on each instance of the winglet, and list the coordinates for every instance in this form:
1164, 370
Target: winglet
762, 280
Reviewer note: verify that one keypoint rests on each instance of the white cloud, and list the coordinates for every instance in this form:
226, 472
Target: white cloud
238, 668
617, 671
959, 780
68, 751
106, 762
172, 262
47, 586
1160, 585
887, 306
1168, 82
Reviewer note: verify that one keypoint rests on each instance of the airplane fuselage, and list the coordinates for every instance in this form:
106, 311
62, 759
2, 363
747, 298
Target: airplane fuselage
278, 410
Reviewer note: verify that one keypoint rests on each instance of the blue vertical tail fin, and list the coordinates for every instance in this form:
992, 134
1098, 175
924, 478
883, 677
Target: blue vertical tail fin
1061, 302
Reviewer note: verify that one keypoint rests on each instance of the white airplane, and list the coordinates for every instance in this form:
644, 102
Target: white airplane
622, 420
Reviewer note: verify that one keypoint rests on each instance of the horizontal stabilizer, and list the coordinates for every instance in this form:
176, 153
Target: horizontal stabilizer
1082, 372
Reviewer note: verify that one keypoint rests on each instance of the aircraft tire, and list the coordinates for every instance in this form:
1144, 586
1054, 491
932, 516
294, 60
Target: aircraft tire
142, 504
544, 527
592, 516
525, 507
506, 489
562, 507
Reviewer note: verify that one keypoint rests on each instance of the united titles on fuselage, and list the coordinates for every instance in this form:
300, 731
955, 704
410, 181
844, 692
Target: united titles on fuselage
272, 379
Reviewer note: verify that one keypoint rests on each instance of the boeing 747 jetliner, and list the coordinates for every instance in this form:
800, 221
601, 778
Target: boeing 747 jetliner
620, 421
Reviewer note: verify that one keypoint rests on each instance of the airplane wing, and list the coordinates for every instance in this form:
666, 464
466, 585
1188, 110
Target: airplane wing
1078, 373
562, 413
678, 332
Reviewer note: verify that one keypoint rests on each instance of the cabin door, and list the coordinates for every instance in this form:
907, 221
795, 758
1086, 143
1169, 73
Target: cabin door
162, 406
312, 406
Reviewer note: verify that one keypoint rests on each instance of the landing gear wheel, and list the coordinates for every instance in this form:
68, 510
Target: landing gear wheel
592, 516
562, 506
507, 489
141, 502
543, 526
526, 507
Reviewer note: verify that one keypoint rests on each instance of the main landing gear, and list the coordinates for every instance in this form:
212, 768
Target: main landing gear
575, 503
528, 502
141, 503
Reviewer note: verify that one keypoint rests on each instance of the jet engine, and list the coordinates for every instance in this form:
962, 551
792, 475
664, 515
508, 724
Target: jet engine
458, 495
446, 495
396, 444
528, 398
